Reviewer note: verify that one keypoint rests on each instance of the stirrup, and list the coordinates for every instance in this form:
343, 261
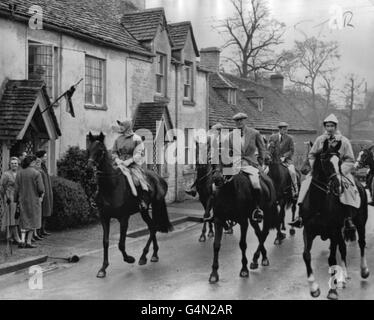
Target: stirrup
257, 215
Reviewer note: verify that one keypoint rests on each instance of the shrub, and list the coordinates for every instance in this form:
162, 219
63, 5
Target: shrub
70, 205
73, 166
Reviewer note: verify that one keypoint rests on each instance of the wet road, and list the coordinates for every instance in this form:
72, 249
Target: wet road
184, 268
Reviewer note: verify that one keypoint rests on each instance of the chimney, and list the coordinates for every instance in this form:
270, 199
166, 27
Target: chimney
209, 58
277, 81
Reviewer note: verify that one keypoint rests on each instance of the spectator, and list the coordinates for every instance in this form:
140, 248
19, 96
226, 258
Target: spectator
29, 192
47, 205
21, 157
7, 186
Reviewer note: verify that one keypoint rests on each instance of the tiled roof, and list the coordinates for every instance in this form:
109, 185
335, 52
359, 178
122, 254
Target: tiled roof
95, 19
219, 82
16, 103
179, 32
147, 115
143, 24
276, 107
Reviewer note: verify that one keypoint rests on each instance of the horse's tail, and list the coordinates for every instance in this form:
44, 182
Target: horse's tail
160, 216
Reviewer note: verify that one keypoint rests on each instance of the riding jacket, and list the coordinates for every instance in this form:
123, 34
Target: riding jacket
129, 148
284, 145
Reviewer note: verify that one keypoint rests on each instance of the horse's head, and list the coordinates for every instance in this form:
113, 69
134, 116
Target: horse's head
96, 149
330, 165
364, 158
217, 176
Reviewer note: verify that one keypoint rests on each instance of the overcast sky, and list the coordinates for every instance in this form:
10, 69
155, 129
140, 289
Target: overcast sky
356, 44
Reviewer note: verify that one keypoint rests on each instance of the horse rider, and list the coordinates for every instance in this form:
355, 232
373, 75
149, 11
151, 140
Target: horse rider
249, 162
212, 143
347, 157
128, 151
286, 147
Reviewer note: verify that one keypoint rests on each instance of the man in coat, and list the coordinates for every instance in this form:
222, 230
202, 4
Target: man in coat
249, 162
47, 205
29, 192
285, 147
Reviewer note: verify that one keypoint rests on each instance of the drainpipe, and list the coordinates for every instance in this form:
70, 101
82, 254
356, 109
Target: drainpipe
176, 126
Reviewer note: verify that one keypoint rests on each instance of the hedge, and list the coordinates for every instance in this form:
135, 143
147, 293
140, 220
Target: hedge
70, 205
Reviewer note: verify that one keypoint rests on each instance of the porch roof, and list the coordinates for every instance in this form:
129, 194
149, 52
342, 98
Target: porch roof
17, 105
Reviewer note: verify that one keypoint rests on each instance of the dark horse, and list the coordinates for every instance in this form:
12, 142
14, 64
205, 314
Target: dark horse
366, 159
119, 202
325, 215
283, 184
234, 202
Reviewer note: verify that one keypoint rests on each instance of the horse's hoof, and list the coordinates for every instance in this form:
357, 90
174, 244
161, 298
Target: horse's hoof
315, 294
214, 278
210, 234
253, 265
265, 262
292, 232
202, 238
332, 295
129, 259
154, 259
101, 274
365, 273
142, 261
244, 273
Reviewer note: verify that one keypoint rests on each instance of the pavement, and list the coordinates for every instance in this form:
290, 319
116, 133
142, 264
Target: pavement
184, 267
80, 241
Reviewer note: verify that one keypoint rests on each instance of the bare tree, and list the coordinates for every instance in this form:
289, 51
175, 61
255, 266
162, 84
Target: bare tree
251, 35
356, 111
308, 63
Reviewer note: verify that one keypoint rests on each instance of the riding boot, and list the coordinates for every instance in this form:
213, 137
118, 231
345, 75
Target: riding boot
257, 214
192, 191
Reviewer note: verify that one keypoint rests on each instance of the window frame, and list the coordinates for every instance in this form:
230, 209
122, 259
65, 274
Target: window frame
188, 66
162, 92
189, 148
52, 85
93, 104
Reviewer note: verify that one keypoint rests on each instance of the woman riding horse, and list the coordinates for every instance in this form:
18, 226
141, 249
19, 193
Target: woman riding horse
324, 208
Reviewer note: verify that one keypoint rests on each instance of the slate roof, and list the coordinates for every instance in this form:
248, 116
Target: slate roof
179, 32
147, 115
96, 19
276, 107
16, 103
143, 24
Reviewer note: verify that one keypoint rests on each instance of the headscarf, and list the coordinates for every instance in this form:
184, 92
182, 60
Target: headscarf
125, 128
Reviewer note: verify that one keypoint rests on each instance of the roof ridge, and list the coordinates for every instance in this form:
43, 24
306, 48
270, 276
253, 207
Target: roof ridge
179, 23
145, 10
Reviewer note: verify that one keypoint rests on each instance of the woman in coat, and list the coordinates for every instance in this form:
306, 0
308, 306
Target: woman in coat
7, 186
29, 192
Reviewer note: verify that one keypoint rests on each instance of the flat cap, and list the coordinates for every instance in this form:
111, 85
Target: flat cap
240, 116
283, 124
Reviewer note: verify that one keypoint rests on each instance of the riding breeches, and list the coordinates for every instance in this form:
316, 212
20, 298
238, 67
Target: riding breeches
134, 177
293, 174
304, 188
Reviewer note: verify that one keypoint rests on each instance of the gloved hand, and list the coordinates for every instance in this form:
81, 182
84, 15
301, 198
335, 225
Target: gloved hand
128, 162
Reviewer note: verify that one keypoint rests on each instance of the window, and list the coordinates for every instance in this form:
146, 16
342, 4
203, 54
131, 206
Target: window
94, 81
232, 96
41, 64
188, 81
161, 74
189, 149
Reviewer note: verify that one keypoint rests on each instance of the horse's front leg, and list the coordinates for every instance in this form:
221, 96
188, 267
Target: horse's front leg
152, 235
343, 254
293, 210
213, 278
105, 222
244, 272
333, 293
211, 232
308, 242
261, 236
124, 223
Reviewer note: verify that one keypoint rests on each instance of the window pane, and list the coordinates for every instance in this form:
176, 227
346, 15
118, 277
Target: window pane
94, 81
